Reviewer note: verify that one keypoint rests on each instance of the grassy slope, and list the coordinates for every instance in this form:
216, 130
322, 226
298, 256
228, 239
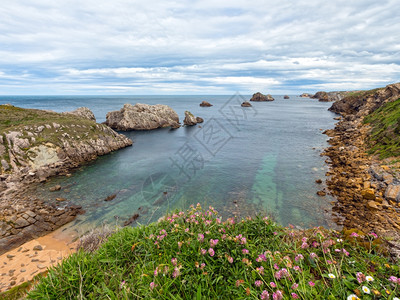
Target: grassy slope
385, 134
165, 261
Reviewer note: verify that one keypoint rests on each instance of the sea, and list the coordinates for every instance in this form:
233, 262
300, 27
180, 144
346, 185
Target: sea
259, 160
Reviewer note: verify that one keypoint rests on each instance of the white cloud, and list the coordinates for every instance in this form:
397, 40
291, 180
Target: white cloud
206, 46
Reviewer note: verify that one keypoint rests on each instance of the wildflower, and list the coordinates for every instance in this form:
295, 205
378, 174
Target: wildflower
239, 282
152, 285
180, 245
200, 237
277, 295
369, 278
264, 295
186, 229
373, 234
339, 240
196, 264
313, 255
261, 258
360, 277
156, 271
366, 290
174, 261
345, 252
202, 266
245, 251
213, 243
352, 297
315, 244
393, 279
295, 286
275, 233
310, 283
258, 283
230, 259
304, 245
294, 296
211, 252
122, 284
332, 276
299, 257
272, 284
354, 234
260, 270
297, 268
203, 251
276, 266
395, 298
175, 273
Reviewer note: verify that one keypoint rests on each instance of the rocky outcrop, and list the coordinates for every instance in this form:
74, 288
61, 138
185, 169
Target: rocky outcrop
190, 119
83, 112
261, 97
330, 96
205, 104
306, 95
246, 104
31, 152
362, 103
142, 117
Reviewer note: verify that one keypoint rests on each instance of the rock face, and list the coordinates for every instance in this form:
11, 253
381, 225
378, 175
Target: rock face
190, 119
260, 97
246, 104
83, 112
205, 104
142, 117
363, 103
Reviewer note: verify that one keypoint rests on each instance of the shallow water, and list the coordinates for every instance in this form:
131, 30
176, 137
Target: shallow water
242, 161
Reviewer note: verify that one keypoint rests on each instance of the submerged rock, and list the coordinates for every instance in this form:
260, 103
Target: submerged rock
286, 97
142, 117
199, 120
261, 97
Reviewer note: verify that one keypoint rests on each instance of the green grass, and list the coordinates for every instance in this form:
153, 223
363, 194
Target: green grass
193, 255
385, 135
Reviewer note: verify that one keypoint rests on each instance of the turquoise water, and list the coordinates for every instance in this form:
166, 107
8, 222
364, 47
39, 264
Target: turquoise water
242, 161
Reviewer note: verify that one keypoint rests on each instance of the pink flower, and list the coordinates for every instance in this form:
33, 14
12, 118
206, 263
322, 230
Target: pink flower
174, 261
261, 258
354, 234
264, 295
345, 252
258, 283
373, 234
295, 286
310, 283
276, 267
200, 237
304, 245
186, 229
245, 251
313, 255
230, 259
272, 284
299, 257
156, 271
175, 273
275, 233
202, 266
260, 270
297, 268
213, 243
294, 296
211, 252
152, 285
394, 279
360, 277
203, 251
180, 245
277, 295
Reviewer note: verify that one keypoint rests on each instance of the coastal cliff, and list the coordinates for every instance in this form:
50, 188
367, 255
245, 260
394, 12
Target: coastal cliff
37, 144
365, 183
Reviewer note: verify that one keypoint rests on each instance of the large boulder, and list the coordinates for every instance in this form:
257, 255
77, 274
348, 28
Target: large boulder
261, 97
205, 104
142, 117
83, 112
190, 119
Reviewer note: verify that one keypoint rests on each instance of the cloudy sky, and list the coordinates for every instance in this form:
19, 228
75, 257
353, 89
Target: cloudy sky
197, 47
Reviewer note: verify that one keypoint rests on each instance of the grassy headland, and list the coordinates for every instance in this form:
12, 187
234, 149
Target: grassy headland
194, 255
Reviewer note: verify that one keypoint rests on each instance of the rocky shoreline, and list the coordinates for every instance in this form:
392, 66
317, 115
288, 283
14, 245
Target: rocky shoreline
366, 188
32, 153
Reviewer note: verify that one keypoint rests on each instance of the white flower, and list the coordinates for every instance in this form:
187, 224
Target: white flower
330, 275
352, 297
369, 278
395, 298
339, 240
366, 290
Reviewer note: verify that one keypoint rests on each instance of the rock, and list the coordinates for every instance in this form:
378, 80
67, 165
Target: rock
142, 117
205, 104
83, 112
37, 248
61, 199
131, 219
55, 188
260, 97
5, 165
319, 181
246, 104
373, 205
368, 194
20, 223
393, 192
199, 120
12, 282
190, 119
321, 193
40, 266
9, 256
286, 97
306, 95
111, 197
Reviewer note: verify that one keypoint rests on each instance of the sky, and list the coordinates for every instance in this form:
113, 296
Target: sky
134, 47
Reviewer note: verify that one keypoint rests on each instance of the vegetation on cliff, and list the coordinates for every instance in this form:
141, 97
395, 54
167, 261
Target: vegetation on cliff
384, 139
194, 255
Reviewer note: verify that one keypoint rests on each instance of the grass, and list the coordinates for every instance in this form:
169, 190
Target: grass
385, 134
194, 255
